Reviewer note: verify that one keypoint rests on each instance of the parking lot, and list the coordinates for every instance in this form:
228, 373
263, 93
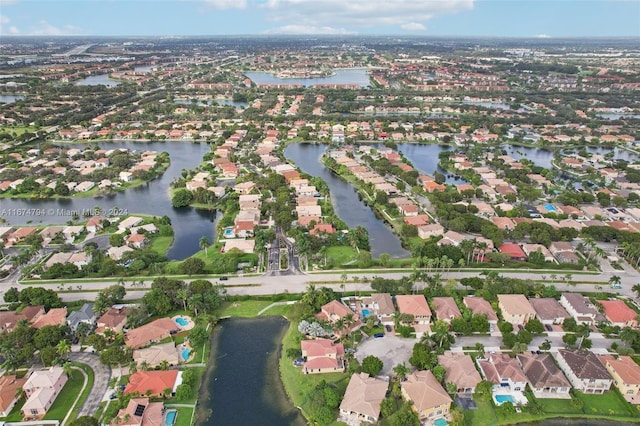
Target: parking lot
392, 350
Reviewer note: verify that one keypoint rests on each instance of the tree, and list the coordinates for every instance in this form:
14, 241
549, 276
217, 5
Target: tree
401, 371
204, 244
108, 297
198, 335
384, 259
439, 373
534, 326
63, 348
372, 365
157, 302
182, 198
192, 266
183, 392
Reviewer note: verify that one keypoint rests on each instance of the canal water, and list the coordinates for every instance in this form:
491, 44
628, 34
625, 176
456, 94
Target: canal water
346, 201
425, 159
9, 99
242, 385
152, 198
96, 80
357, 76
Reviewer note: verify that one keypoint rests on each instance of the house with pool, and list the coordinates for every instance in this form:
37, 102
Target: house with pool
507, 377
362, 399
150, 333
141, 412
155, 355
427, 396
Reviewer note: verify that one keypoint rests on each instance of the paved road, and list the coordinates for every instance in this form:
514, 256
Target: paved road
101, 374
261, 285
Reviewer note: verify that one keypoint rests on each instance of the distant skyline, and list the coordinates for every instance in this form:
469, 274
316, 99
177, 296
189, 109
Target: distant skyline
495, 18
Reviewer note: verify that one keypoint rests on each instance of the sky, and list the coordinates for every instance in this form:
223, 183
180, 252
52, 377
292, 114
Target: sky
499, 18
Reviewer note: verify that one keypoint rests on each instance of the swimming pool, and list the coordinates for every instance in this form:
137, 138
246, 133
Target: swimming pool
365, 313
170, 417
182, 322
440, 422
228, 233
550, 208
501, 399
185, 352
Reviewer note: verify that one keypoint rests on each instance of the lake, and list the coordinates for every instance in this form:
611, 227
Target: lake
152, 198
242, 385
539, 157
96, 80
425, 159
9, 99
346, 201
341, 76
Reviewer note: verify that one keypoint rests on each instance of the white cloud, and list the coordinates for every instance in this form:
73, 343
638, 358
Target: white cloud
307, 30
361, 13
542, 36
4, 19
227, 4
45, 28
413, 26
14, 30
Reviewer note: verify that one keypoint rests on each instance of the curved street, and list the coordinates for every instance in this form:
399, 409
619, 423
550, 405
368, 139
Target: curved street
101, 374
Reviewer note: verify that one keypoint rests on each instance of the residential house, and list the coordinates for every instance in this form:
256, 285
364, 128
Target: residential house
322, 356
545, 378
479, 306
154, 383
431, 230
451, 238
415, 305
532, 248
428, 398
619, 313
116, 253
584, 370
41, 389
113, 319
157, 354
460, 370
85, 314
335, 311
515, 308
140, 412
9, 319
10, 389
245, 246
626, 376
549, 310
446, 309
129, 222
503, 371
55, 316
513, 250
383, 308
152, 332
579, 307
362, 399
137, 240
564, 252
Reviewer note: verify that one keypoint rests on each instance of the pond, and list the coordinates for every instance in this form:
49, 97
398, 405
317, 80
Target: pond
96, 80
425, 159
345, 200
152, 198
9, 99
357, 76
242, 385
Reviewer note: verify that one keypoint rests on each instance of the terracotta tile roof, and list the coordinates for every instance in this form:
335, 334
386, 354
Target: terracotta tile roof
617, 311
415, 305
446, 308
424, 391
480, 306
624, 366
459, 370
8, 387
152, 413
153, 332
541, 371
364, 395
55, 316
154, 381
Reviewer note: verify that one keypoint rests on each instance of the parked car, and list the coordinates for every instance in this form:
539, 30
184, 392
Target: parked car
378, 335
223, 278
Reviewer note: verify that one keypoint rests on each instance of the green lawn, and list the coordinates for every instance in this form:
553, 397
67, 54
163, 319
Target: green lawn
161, 244
485, 415
243, 308
87, 390
278, 310
610, 403
340, 255
64, 401
297, 384
559, 406
184, 416
199, 371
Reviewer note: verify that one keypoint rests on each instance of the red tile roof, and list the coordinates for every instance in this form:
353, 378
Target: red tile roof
617, 311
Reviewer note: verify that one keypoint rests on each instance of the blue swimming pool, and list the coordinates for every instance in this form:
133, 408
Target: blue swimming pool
501, 399
170, 417
185, 352
228, 232
440, 422
365, 313
550, 207
182, 322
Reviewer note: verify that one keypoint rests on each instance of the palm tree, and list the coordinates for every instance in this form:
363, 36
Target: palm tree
63, 348
183, 295
204, 244
615, 281
66, 369
164, 365
144, 366
401, 371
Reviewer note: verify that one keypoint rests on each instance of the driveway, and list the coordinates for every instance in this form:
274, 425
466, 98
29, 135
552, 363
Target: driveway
101, 374
392, 350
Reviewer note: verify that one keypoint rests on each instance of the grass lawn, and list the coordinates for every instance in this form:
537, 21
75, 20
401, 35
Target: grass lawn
485, 414
87, 390
559, 406
340, 255
297, 384
184, 416
67, 396
161, 244
199, 371
15, 415
610, 403
243, 308
278, 310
